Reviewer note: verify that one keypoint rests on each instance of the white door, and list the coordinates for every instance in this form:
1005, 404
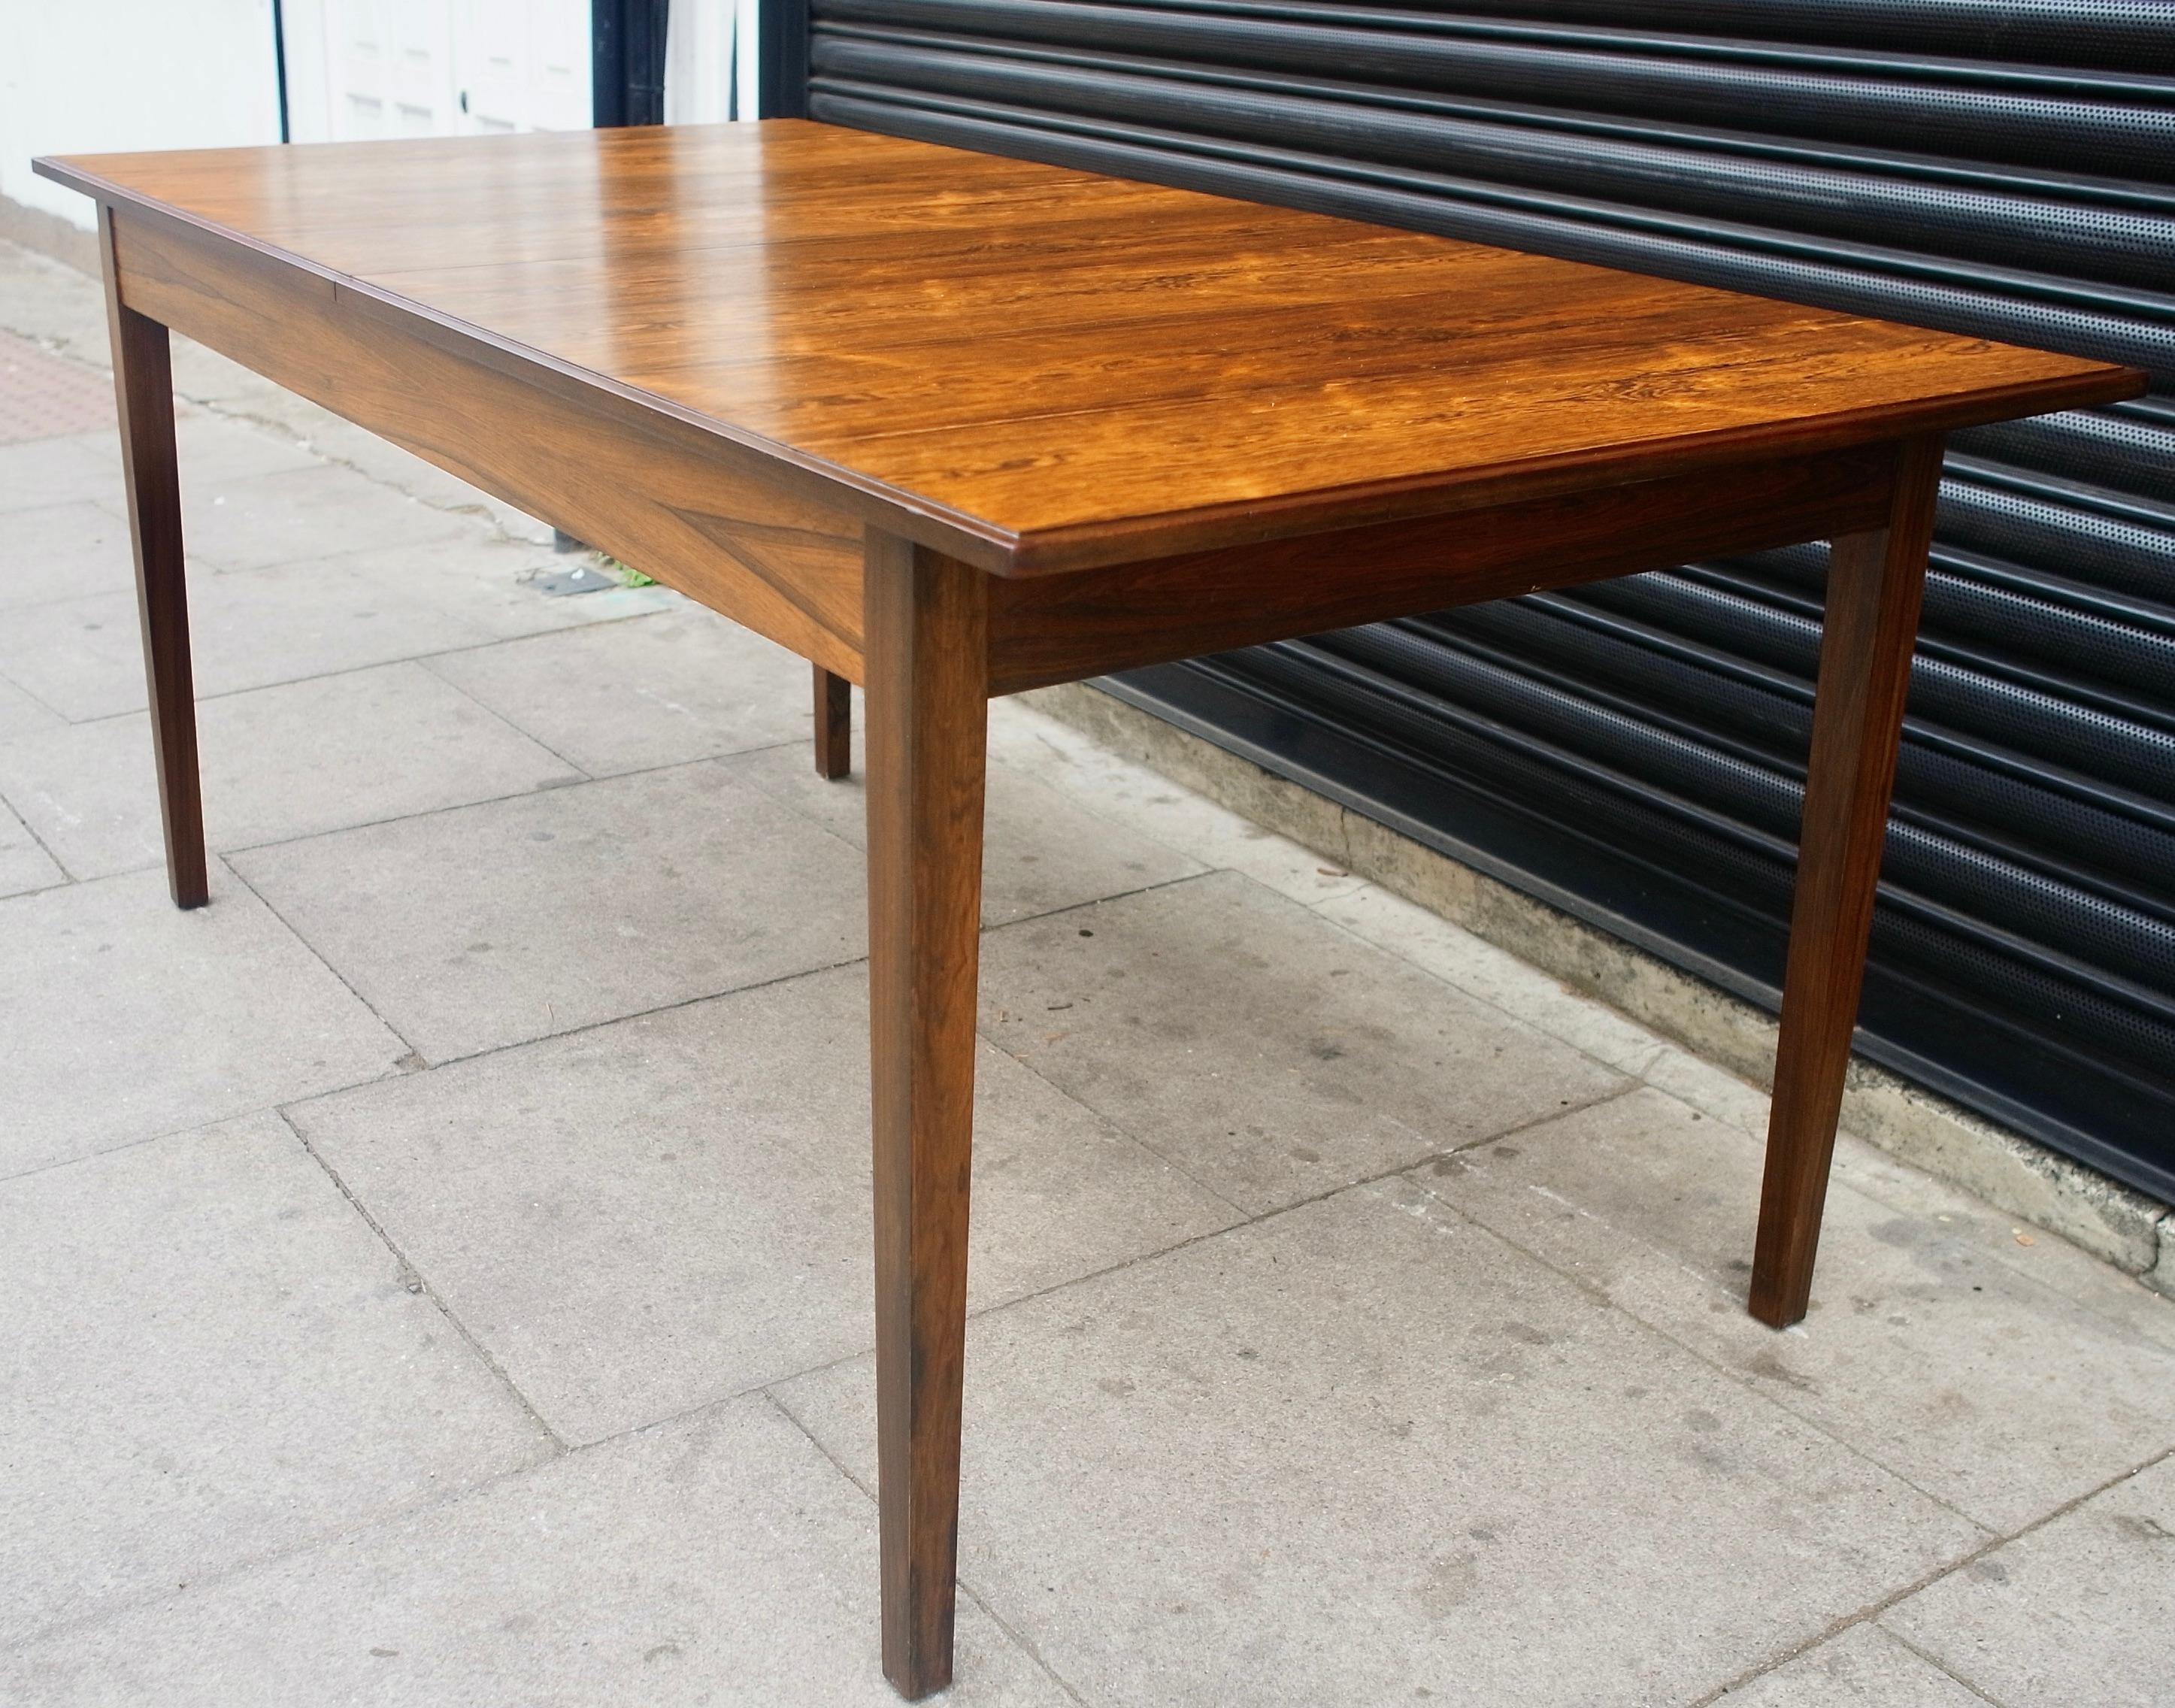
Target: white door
523, 65
360, 68
392, 68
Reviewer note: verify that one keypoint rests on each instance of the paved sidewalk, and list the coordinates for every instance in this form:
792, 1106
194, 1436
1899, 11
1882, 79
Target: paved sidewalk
439, 1270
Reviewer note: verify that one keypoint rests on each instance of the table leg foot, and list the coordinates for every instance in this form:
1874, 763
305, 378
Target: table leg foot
143, 387
1874, 581
834, 725
926, 643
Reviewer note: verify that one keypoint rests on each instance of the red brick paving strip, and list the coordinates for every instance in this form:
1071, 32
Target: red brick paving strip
43, 397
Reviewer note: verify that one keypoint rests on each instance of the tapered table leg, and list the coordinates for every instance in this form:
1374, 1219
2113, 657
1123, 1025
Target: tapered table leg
143, 387
925, 639
1874, 581
834, 725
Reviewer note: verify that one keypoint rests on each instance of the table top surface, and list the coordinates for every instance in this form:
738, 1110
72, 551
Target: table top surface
1050, 356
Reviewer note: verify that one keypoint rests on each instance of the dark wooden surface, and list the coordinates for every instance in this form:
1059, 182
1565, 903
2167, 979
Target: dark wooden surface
1059, 628
928, 711
948, 424
703, 515
834, 725
1036, 368
144, 387
1874, 581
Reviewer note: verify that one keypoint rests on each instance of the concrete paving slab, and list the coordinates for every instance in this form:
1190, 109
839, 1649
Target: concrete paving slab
69, 470
2049, 1261
2053, 1261
126, 1017
214, 451
211, 1357
1040, 851
2076, 1612
44, 299
1495, 976
277, 763
21, 715
64, 551
1365, 1451
1269, 1054
256, 521
1990, 1391
1864, 1668
657, 690
382, 461
203, 375
211, 450
1710, 1088
658, 1213
721, 1562
206, 375
83, 657
1149, 804
23, 864
487, 584
492, 925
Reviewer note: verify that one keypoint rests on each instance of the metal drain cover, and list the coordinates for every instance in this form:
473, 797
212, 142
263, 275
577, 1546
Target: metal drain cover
583, 577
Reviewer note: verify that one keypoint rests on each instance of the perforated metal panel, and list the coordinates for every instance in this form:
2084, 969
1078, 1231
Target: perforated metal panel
1633, 752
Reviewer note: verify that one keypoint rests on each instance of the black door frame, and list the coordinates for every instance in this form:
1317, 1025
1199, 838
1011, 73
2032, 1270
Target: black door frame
781, 43
627, 62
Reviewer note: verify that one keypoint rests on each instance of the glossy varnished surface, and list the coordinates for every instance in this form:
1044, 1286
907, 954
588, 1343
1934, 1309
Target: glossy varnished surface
143, 391
1078, 369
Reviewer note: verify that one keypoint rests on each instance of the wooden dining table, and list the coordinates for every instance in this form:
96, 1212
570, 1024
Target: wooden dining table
952, 425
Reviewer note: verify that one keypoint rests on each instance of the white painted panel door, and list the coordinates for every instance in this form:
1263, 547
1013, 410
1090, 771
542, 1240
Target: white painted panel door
443, 67
392, 68
524, 64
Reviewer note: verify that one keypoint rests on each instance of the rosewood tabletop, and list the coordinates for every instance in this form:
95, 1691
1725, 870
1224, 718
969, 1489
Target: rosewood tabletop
952, 425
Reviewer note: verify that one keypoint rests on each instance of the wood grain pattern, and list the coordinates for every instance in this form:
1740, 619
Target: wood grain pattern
1039, 370
1874, 582
927, 711
144, 387
1060, 628
834, 725
696, 512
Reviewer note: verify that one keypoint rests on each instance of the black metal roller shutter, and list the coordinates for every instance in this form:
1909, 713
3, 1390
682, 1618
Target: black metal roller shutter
1633, 752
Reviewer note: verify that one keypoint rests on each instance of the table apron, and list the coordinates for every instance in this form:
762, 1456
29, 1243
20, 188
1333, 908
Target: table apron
694, 512
1060, 628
